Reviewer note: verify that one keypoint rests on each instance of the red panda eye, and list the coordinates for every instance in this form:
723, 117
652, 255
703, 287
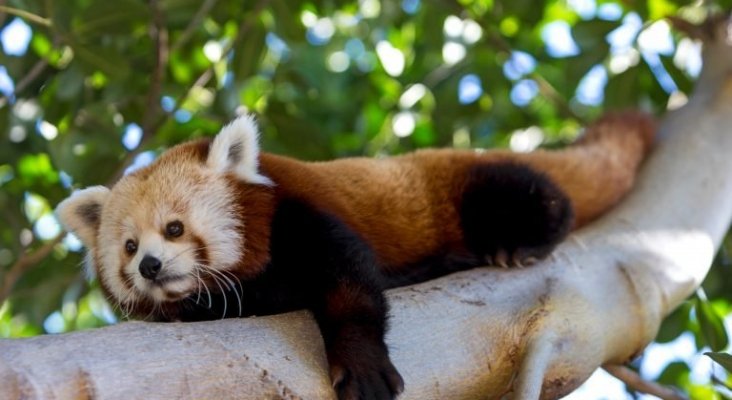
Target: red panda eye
174, 229
130, 247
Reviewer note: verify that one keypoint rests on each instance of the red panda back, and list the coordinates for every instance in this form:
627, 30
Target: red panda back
406, 207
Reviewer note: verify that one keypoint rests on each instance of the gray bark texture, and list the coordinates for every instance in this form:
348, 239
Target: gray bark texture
529, 333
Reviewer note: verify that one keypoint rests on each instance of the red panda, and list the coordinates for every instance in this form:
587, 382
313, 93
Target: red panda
214, 228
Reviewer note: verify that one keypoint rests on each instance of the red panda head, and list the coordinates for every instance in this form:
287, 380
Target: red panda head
174, 228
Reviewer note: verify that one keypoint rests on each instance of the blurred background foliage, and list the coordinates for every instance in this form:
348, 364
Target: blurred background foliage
93, 88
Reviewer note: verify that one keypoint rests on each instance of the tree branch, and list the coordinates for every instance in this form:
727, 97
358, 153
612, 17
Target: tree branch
206, 6
159, 34
36, 19
35, 71
635, 382
25, 262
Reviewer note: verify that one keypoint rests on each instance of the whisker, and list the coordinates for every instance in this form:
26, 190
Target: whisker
198, 274
236, 279
198, 284
239, 294
125, 304
231, 285
152, 311
223, 292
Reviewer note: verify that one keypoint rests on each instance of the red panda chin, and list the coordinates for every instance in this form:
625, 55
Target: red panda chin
174, 297
171, 291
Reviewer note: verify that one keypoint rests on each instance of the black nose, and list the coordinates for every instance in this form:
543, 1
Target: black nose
149, 267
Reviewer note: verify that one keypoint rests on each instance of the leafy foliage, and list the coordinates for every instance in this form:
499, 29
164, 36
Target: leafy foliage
101, 85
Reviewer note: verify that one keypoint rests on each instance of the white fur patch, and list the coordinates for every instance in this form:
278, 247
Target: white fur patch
81, 213
236, 149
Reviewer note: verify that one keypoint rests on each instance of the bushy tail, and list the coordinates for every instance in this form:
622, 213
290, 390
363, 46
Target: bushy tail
600, 168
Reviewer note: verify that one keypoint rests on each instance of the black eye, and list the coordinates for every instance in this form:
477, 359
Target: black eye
174, 229
130, 247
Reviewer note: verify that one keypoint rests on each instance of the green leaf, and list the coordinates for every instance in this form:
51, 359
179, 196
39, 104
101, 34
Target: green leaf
70, 82
118, 16
680, 78
675, 324
248, 55
287, 22
594, 49
712, 325
661, 9
623, 88
723, 359
674, 373
37, 168
590, 34
103, 59
178, 13
526, 10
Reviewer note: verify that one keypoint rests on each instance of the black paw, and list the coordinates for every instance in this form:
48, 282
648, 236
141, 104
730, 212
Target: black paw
365, 375
512, 214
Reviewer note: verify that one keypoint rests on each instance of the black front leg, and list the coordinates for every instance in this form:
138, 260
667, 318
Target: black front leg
352, 319
339, 274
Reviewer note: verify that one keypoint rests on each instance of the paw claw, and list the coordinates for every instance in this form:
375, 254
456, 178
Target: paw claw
502, 258
520, 258
365, 376
337, 375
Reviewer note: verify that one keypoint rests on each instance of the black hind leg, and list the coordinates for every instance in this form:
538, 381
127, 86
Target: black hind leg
511, 214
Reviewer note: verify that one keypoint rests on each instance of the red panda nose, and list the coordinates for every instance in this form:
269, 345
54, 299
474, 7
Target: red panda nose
149, 267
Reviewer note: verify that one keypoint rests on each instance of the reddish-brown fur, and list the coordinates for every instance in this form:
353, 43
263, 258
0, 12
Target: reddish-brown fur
405, 206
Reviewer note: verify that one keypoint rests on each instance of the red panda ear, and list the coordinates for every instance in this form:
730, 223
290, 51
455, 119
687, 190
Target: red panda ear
81, 213
236, 149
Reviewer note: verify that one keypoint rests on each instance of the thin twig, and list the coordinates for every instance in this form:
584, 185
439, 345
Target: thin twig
36, 19
32, 74
3, 16
35, 71
193, 25
160, 36
551, 93
720, 382
635, 382
25, 262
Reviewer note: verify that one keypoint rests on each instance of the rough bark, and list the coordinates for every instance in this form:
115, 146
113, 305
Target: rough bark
531, 333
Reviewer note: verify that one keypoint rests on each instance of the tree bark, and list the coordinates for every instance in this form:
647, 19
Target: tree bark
530, 333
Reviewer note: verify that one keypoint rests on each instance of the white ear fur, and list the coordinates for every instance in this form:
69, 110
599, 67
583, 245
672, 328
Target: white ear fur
236, 149
81, 213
